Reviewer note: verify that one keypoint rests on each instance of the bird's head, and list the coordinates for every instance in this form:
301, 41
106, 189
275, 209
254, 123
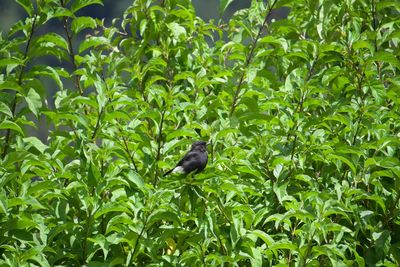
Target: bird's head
199, 145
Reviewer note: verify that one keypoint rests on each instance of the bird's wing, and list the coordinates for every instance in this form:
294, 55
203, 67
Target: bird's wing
188, 157
194, 161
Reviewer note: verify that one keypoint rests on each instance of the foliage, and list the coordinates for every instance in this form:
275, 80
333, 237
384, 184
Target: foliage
303, 115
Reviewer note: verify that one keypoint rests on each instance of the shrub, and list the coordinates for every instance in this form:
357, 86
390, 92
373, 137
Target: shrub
303, 115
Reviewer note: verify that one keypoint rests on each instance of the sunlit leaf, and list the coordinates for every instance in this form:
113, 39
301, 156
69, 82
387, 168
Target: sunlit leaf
223, 4
34, 101
81, 23
77, 5
27, 5
6, 124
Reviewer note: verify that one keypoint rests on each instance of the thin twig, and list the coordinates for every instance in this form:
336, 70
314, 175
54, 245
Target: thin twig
141, 233
101, 113
71, 52
22, 71
159, 145
249, 59
309, 244
300, 106
125, 143
86, 235
126, 148
374, 23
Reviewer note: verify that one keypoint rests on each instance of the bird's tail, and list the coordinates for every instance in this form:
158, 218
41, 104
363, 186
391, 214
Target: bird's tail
168, 172
177, 169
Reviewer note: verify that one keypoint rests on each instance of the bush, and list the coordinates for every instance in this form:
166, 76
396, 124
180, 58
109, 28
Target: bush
303, 114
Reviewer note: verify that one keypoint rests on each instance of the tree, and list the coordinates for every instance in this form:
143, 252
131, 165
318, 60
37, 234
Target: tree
302, 112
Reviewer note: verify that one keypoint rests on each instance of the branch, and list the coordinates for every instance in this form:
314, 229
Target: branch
22, 71
159, 146
141, 233
309, 247
125, 143
126, 148
71, 52
374, 23
250, 58
101, 113
300, 106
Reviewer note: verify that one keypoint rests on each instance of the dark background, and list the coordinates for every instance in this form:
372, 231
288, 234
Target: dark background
11, 11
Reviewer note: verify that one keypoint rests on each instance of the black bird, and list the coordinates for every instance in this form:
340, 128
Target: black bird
195, 160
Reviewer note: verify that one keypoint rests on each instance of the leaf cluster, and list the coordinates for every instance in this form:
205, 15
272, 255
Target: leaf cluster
303, 114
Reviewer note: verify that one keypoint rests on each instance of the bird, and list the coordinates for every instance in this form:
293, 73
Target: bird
195, 160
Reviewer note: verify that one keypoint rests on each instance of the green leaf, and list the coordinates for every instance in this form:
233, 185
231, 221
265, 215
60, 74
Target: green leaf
25, 201
256, 259
387, 58
49, 71
226, 133
153, 79
177, 30
382, 242
267, 239
184, 76
363, 44
10, 86
5, 109
223, 4
92, 42
278, 170
34, 101
143, 24
111, 207
11, 125
79, 4
94, 176
304, 178
58, 11
388, 3
81, 23
181, 132
163, 215
27, 5
35, 142
10, 63
344, 160
3, 205
283, 245
52, 39
137, 180
42, 187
